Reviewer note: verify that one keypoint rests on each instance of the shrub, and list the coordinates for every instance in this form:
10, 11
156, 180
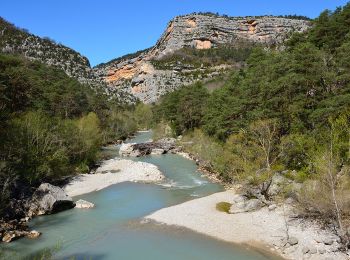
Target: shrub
223, 206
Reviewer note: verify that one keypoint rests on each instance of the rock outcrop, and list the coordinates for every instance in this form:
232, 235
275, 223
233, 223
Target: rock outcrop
46, 199
159, 147
49, 199
13, 230
147, 82
246, 206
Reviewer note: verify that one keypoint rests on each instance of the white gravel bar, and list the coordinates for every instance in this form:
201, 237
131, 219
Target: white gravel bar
263, 228
112, 172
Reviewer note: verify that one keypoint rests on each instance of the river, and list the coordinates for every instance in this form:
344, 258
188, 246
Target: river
114, 228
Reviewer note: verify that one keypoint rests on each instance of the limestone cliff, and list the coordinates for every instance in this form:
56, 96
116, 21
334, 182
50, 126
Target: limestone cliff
148, 82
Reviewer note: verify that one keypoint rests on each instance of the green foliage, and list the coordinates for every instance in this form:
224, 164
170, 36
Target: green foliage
286, 112
296, 153
51, 125
38, 151
118, 124
31, 85
280, 98
143, 116
194, 58
47, 148
331, 28
183, 108
223, 206
162, 130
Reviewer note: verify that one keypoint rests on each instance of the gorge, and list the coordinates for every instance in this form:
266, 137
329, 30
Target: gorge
227, 139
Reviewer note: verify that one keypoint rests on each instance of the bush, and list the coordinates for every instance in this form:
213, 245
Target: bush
183, 108
143, 116
162, 130
223, 206
38, 152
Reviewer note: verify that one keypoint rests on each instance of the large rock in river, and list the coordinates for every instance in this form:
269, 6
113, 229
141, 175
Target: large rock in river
49, 199
83, 204
129, 150
161, 146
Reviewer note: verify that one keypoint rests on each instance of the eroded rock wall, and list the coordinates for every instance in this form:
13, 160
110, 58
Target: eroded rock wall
139, 77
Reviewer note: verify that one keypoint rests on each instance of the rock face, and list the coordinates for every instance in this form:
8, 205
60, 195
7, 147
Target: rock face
206, 31
147, 82
49, 199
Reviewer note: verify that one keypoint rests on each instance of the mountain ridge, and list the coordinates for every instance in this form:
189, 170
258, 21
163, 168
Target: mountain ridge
141, 75
18, 41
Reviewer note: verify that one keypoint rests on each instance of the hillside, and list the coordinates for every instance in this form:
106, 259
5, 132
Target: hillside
18, 41
148, 75
284, 118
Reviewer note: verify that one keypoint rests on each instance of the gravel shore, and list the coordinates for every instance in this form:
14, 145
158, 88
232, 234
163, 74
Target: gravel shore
275, 229
112, 172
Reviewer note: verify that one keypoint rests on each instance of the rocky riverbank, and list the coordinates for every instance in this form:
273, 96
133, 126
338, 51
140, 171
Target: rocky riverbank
275, 227
49, 199
250, 218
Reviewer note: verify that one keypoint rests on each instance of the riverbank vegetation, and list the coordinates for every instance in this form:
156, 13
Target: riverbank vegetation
52, 127
287, 111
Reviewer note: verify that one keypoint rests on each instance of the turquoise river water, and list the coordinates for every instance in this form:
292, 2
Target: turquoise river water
114, 228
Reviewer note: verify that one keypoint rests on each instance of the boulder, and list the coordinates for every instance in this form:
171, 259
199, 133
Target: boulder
328, 241
305, 250
246, 206
322, 251
312, 250
167, 143
33, 234
126, 149
293, 241
49, 199
272, 207
277, 183
13, 235
83, 204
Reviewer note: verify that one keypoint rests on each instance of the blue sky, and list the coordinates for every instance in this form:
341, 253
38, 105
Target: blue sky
105, 29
